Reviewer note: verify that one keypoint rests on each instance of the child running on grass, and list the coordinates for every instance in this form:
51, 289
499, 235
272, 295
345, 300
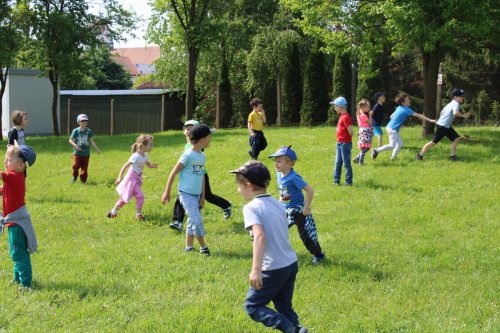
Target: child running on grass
274, 263
16, 133
290, 187
365, 131
191, 193
22, 238
443, 125
130, 186
377, 116
256, 121
344, 142
398, 117
178, 214
81, 138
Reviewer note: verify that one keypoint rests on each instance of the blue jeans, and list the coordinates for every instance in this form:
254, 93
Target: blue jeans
277, 286
343, 157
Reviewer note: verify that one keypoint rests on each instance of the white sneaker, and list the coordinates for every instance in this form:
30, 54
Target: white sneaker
227, 212
176, 225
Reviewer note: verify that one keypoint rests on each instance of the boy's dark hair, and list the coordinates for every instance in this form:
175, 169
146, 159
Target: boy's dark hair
254, 102
17, 117
400, 98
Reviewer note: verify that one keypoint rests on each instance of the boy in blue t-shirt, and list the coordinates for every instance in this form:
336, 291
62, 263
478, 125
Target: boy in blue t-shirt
398, 117
191, 170
290, 187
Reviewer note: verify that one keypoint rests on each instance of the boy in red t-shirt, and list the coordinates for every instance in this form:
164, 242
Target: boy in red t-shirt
344, 142
22, 239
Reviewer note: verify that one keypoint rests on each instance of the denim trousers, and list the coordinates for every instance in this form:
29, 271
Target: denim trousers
277, 286
343, 157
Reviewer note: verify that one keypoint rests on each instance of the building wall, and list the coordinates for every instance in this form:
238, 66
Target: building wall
28, 92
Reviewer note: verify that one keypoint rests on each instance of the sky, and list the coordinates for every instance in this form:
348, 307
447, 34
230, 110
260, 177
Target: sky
141, 8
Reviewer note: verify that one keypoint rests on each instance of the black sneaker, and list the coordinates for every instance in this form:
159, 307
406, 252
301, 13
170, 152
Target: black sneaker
374, 154
176, 225
73, 179
318, 259
227, 212
300, 329
419, 157
205, 251
454, 158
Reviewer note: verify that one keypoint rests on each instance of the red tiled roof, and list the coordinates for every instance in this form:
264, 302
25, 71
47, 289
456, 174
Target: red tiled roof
139, 55
152, 85
125, 61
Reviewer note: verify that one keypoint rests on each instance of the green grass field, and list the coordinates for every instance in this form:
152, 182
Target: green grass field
411, 247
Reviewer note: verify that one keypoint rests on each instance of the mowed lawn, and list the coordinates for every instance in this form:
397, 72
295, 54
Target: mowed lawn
411, 246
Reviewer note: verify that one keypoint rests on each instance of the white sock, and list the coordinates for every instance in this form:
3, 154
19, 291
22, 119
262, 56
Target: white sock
114, 211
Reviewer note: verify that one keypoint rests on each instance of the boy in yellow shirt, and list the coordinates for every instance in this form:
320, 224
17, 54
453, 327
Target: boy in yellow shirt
256, 121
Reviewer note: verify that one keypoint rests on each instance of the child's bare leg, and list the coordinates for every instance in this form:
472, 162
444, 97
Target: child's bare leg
454, 145
201, 241
189, 241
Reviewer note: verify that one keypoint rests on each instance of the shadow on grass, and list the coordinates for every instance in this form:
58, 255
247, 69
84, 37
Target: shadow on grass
82, 291
371, 274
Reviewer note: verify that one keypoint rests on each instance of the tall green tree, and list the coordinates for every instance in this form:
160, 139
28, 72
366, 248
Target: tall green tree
431, 28
187, 22
12, 32
61, 30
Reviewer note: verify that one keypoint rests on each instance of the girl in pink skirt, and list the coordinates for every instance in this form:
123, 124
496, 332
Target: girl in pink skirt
365, 133
130, 186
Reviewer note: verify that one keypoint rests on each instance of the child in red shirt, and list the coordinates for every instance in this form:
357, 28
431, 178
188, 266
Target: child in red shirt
344, 142
22, 239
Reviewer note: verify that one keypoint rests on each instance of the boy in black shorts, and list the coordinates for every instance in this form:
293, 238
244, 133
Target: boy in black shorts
443, 125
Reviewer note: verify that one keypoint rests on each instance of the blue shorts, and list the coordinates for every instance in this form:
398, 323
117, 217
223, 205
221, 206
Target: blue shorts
377, 131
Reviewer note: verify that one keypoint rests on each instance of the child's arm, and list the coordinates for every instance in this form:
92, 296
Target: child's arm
122, 171
462, 115
95, 146
263, 114
166, 195
71, 142
151, 165
423, 117
202, 197
250, 129
259, 244
309, 197
350, 130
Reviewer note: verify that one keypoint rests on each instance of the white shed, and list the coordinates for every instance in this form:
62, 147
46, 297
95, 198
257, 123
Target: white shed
26, 90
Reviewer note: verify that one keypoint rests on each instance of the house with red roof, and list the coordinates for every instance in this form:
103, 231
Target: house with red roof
137, 60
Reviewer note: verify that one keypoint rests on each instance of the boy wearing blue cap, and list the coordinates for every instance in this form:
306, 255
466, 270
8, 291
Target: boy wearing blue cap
22, 238
274, 263
298, 210
344, 142
443, 125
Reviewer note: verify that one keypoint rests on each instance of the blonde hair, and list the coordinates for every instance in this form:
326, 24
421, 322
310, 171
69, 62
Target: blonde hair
142, 140
362, 104
17, 117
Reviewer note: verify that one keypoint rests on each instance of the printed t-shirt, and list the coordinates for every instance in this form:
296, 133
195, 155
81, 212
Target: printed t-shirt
82, 140
191, 176
290, 189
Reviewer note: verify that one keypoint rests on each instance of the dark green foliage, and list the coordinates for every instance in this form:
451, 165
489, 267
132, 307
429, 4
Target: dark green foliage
292, 86
226, 105
315, 102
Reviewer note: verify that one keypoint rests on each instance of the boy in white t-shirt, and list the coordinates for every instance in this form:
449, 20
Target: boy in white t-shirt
443, 125
274, 265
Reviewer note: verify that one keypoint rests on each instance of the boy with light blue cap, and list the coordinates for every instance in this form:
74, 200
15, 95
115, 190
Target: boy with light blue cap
344, 142
290, 187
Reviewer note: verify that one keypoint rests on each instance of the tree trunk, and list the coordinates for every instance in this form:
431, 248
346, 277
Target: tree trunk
54, 80
430, 61
191, 70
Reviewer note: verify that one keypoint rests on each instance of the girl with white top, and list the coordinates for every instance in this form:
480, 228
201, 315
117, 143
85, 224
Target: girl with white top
130, 186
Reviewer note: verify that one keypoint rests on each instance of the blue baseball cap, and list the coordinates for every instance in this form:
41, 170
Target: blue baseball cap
27, 153
285, 151
339, 101
457, 92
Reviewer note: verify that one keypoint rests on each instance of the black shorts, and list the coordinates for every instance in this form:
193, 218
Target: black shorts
442, 132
